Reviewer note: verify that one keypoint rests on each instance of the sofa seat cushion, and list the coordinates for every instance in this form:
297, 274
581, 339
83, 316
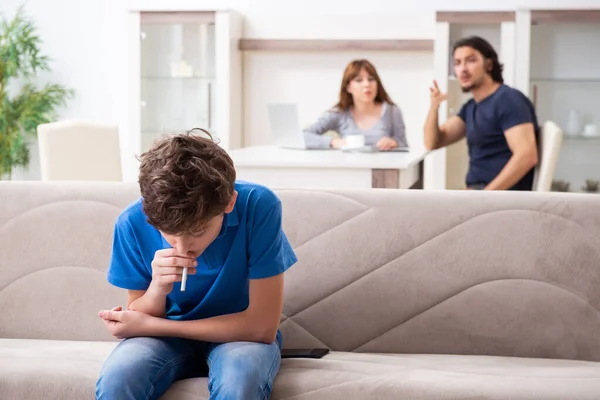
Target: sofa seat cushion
346, 376
31, 369
50, 369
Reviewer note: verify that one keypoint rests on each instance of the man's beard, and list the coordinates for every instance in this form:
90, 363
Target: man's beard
474, 85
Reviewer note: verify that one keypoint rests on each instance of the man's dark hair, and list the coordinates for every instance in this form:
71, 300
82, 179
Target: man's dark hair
185, 180
487, 51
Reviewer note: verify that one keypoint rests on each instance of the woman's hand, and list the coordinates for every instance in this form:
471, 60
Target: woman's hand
337, 143
386, 143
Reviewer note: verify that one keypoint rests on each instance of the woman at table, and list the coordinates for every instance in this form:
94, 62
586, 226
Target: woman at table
364, 108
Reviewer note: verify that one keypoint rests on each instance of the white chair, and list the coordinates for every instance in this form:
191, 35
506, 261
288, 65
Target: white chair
79, 151
550, 143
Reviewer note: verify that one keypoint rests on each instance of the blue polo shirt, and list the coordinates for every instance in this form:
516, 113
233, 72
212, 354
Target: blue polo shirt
486, 123
250, 245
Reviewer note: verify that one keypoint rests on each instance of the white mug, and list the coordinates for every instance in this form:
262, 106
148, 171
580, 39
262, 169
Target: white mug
354, 141
590, 130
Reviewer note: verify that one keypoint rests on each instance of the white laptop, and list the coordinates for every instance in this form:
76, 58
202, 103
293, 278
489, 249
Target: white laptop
286, 132
285, 127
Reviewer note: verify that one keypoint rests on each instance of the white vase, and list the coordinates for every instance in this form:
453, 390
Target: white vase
573, 124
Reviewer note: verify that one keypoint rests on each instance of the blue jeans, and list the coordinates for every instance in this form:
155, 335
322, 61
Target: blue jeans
145, 367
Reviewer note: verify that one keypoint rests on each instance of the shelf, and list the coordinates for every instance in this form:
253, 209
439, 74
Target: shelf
193, 78
475, 17
566, 80
581, 138
575, 192
335, 45
175, 17
564, 16
163, 131
160, 132
150, 132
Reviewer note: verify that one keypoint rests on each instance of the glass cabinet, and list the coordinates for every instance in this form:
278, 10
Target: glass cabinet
177, 74
184, 71
565, 88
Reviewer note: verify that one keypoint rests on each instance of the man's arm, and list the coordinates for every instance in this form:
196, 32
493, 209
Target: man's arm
521, 141
258, 323
451, 131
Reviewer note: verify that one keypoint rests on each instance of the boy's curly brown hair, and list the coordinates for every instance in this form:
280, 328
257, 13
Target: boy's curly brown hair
185, 180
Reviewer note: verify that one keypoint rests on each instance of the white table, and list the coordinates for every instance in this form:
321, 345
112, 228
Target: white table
277, 167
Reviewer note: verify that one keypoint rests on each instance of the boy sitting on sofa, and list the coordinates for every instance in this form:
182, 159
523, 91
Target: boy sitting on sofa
227, 235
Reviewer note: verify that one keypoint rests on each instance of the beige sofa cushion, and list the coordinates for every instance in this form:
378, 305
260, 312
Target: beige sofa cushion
384, 271
506, 274
41, 369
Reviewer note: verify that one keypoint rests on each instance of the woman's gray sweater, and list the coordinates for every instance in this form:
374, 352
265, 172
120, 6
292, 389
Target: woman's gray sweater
390, 124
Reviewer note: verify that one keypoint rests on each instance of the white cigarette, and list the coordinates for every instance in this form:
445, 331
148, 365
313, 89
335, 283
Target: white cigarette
184, 279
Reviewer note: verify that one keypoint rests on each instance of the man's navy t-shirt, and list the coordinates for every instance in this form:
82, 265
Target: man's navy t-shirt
486, 123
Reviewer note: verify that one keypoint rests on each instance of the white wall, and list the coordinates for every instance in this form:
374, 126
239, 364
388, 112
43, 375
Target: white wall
88, 40
312, 79
252, 8
77, 37
313, 82
405, 24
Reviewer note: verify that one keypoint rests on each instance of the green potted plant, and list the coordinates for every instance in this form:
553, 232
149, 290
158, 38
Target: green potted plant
23, 105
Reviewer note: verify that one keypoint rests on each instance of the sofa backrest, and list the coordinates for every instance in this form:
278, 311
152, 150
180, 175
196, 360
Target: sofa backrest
444, 272
55, 245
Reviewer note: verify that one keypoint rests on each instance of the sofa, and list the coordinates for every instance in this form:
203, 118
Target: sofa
418, 294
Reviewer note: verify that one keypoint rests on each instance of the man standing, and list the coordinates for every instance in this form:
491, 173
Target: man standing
499, 121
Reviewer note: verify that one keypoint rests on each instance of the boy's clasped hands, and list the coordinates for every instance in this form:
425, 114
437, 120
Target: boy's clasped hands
167, 268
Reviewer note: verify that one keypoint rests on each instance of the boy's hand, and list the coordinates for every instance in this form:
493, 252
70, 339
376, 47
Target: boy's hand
167, 268
123, 324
